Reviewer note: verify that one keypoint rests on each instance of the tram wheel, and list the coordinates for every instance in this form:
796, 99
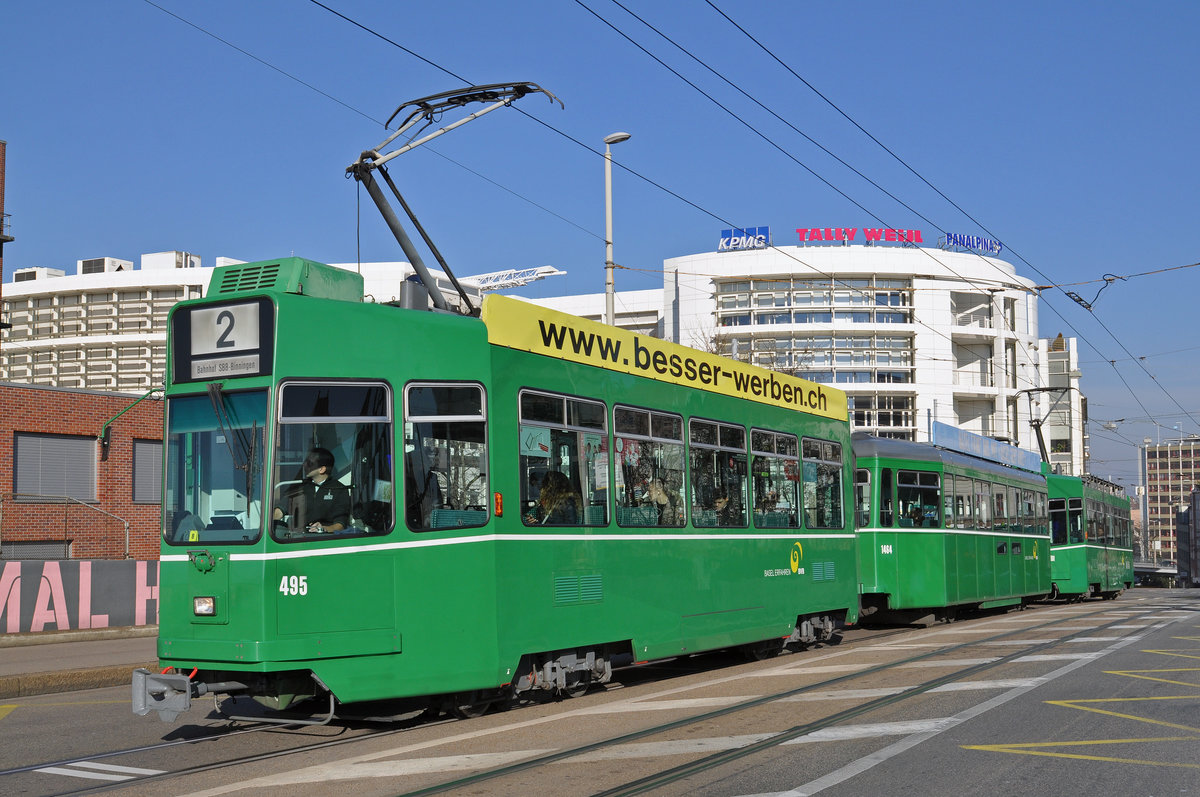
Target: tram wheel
578, 688
761, 651
469, 705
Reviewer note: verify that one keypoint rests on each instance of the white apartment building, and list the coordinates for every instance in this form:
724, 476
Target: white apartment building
105, 327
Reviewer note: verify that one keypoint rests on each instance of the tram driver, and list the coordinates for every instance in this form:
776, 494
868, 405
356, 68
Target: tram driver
319, 503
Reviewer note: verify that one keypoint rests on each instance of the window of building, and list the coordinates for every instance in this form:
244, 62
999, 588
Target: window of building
55, 466
147, 471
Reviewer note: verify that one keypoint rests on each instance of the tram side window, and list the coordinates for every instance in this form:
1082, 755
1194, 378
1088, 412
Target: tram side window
822, 473
333, 461
1075, 520
887, 508
862, 498
717, 453
919, 494
649, 467
445, 456
563, 460
775, 478
999, 507
964, 514
1014, 510
983, 506
1058, 521
1029, 517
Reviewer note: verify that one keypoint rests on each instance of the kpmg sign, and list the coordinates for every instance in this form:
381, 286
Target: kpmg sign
744, 238
974, 242
955, 439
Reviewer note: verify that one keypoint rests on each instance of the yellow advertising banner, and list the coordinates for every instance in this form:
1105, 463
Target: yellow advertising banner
527, 327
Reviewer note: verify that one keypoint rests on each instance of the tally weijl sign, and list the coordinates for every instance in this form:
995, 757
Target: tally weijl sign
519, 325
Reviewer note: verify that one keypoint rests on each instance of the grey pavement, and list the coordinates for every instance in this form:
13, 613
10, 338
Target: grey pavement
65, 661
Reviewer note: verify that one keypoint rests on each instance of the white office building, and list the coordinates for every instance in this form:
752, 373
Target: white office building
105, 327
913, 334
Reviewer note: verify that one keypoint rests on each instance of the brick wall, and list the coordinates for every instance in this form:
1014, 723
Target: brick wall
92, 534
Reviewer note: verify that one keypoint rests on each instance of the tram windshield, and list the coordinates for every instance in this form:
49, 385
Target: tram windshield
213, 486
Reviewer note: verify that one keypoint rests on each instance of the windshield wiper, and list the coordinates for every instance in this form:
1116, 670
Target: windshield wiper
243, 454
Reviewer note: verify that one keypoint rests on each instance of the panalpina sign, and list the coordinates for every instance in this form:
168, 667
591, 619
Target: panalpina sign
870, 235
744, 238
976, 242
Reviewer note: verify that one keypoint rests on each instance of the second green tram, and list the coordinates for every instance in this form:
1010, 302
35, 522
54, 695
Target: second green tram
941, 532
1092, 545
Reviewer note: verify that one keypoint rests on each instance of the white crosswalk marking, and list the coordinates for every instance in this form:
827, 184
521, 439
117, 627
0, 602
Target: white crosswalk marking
105, 771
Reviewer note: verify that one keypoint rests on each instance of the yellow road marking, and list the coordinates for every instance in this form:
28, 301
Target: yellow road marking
1077, 704
1143, 675
1055, 749
1027, 749
5, 711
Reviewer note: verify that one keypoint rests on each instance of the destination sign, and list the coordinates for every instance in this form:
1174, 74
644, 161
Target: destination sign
222, 341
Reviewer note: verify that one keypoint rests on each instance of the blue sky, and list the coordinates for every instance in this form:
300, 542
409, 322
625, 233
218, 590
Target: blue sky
1066, 130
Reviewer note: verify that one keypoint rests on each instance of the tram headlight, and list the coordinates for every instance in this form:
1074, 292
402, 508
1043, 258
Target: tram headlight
204, 606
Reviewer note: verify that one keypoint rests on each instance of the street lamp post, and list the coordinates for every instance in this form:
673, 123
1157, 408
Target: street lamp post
609, 140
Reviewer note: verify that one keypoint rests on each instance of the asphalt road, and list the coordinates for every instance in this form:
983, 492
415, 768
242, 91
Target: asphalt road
1095, 698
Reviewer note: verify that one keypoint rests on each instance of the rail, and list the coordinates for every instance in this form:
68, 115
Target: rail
59, 499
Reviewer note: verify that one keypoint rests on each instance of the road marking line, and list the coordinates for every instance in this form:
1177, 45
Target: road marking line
115, 768
1000, 683
924, 665
667, 705
75, 773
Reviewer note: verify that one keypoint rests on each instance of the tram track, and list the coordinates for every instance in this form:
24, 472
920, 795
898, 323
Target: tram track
208, 738
674, 774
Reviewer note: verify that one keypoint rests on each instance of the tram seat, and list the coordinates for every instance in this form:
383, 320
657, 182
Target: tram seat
452, 518
772, 520
637, 516
906, 522
594, 515
704, 517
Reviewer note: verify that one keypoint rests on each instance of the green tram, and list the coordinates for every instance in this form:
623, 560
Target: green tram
1092, 539
941, 531
366, 502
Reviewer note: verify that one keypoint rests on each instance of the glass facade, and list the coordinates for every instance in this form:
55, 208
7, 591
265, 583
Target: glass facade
769, 322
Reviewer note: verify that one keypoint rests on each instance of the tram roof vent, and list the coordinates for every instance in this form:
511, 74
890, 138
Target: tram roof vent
287, 275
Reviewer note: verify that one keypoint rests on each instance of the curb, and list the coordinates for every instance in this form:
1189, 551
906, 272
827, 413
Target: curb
57, 637
70, 680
